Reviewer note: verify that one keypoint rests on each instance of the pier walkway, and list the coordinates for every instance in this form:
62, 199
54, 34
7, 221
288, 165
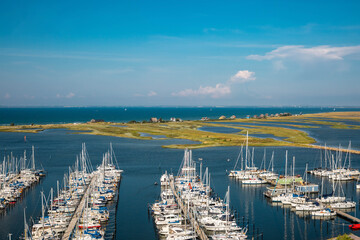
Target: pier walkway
78, 211
16, 177
347, 216
201, 234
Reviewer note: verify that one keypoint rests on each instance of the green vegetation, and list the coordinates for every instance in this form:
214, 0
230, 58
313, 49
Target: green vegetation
344, 237
190, 130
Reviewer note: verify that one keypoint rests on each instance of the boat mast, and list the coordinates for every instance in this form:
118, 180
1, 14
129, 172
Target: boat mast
52, 196
42, 213
252, 158
242, 159
24, 166
264, 159
320, 159
246, 153
111, 154
58, 193
237, 160
325, 157
293, 168
286, 156
227, 208
33, 159
349, 155
25, 227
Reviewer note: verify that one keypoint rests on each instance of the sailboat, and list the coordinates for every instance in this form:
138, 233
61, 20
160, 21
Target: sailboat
248, 170
345, 204
282, 196
267, 173
235, 173
230, 233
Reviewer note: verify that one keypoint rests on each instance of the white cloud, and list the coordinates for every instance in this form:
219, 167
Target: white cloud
299, 52
70, 95
7, 96
152, 93
149, 94
242, 76
218, 91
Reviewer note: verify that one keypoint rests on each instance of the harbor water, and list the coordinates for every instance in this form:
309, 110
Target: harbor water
143, 162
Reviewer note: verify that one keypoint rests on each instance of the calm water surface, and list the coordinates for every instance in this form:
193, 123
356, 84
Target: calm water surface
323, 134
125, 114
144, 161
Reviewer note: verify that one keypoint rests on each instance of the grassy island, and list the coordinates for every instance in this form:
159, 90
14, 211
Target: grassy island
288, 130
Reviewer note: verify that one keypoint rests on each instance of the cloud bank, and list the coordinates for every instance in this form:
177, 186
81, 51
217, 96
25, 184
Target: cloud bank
299, 52
69, 95
242, 76
220, 89
152, 93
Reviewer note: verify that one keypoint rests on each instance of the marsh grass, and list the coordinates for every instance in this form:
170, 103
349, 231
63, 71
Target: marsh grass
190, 130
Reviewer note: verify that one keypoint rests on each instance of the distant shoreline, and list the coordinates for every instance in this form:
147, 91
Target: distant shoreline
63, 115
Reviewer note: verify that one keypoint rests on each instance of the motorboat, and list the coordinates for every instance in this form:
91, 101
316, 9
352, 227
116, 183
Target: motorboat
324, 213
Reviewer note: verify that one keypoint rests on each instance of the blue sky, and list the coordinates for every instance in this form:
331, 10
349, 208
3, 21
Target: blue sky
188, 53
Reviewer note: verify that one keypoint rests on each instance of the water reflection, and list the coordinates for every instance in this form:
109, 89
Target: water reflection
144, 161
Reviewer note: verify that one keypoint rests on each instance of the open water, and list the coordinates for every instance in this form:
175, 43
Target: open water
143, 162
125, 114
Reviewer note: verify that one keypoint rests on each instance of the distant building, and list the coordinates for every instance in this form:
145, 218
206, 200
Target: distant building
222, 117
262, 116
96, 120
233, 117
285, 114
154, 120
204, 118
175, 119
247, 116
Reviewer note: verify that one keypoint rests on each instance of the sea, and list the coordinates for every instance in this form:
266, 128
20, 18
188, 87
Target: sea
46, 115
144, 161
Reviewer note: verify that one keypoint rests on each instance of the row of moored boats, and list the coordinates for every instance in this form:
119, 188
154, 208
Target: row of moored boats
16, 175
187, 208
85, 192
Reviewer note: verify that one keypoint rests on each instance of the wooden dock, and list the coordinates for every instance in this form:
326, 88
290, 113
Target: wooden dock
334, 148
201, 234
78, 212
16, 177
348, 217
